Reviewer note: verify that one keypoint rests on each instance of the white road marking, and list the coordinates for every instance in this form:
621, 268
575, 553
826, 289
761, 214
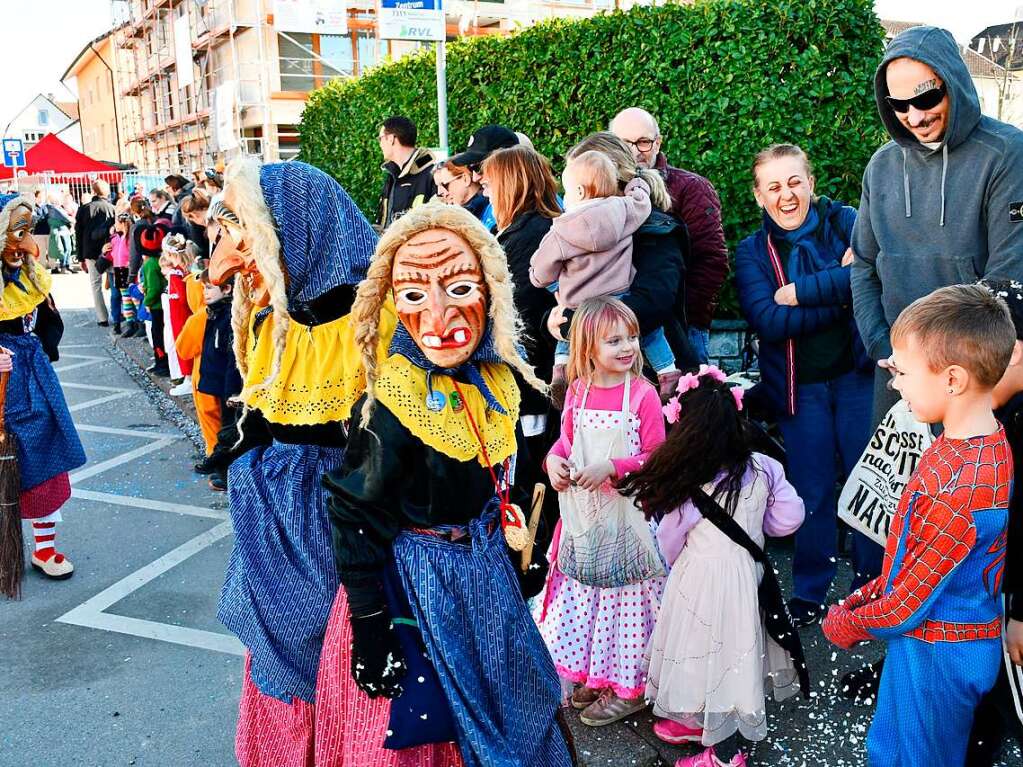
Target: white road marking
99, 401
76, 365
91, 613
126, 432
148, 503
131, 455
95, 387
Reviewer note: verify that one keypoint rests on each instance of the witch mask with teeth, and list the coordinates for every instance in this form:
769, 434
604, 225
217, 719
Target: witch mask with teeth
440, 296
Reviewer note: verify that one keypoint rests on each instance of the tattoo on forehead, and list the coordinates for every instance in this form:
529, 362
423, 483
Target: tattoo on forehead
926, 85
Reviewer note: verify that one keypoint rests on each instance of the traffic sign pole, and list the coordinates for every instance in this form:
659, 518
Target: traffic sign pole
442, 96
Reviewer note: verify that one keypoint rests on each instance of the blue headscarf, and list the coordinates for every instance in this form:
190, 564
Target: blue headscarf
402, 343
325, 240
813, 247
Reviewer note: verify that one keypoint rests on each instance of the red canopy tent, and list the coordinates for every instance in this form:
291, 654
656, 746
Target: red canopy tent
61, 163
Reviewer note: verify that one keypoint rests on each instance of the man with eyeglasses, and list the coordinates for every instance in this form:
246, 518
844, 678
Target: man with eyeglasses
695, 202
408, 170
942, 204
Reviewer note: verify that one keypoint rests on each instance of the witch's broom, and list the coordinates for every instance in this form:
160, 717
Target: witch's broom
12, 544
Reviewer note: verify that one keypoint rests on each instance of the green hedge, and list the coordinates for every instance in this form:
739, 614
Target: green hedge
724, 78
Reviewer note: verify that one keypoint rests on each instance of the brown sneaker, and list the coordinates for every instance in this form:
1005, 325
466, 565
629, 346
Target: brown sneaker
583, 697
609, 708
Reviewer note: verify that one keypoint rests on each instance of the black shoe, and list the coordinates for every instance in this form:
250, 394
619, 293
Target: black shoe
55, 271
103, 324
161, 371
134, 330
117, 328
205, 466
805, 613
218, 481
862, 684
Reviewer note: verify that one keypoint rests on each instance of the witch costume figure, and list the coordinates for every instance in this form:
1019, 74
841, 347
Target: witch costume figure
431, 657
297, 245
35, 414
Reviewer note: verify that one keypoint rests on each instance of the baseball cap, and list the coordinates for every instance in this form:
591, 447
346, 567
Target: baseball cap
483, 142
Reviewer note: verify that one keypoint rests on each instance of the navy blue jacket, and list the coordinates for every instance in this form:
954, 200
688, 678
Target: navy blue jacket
824, 297
218, 373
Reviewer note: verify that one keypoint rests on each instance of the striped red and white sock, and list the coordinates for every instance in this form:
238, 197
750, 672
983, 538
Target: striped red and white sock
45, 534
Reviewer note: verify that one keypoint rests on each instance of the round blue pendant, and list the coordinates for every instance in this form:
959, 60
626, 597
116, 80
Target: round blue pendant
435, 401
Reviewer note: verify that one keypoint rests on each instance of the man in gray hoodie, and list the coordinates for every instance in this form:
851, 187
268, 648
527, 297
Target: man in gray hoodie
942, 201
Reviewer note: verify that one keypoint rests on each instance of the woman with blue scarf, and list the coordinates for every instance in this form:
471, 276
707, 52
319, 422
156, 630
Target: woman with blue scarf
793, 282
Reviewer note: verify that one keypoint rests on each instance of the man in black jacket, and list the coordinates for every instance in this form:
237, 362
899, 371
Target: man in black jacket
408, 170
92, 229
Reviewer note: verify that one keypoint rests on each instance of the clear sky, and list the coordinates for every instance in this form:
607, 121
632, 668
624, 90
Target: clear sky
43, 36
40, 40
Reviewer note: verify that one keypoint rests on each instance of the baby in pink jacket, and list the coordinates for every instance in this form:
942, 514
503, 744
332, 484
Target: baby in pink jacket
588, 251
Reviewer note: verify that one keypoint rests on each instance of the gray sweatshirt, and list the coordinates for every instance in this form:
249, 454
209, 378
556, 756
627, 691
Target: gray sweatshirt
929, 218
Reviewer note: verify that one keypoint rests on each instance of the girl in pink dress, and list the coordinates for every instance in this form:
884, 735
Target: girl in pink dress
712, 660
606, 577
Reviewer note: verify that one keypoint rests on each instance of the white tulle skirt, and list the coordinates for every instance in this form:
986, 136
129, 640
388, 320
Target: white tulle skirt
711, 661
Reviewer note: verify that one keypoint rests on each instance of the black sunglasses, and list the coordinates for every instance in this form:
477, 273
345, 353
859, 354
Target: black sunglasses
922, 101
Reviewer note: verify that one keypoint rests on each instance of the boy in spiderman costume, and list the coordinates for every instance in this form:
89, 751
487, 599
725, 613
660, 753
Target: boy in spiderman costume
937, 601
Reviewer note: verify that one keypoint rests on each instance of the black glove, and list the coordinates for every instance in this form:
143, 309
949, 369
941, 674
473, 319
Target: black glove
378, 664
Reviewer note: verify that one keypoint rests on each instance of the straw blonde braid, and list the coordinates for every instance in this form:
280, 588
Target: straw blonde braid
261, 232
505, 324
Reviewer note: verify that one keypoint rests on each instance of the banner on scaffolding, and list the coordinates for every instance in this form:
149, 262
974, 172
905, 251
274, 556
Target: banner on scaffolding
183, 51
322, 17
412, 20
225, 129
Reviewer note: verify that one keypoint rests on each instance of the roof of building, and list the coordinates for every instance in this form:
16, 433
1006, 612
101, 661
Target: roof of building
70, 108
893, 28
996, 43
79, 60
978, 64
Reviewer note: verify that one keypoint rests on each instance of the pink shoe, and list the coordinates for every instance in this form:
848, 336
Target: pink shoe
674, 732
708, 758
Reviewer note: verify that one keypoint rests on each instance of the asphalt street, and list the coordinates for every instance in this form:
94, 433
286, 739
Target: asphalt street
126, 664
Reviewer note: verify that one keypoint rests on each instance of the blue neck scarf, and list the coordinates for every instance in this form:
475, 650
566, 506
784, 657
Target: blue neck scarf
402, 343
14, 277
812, 247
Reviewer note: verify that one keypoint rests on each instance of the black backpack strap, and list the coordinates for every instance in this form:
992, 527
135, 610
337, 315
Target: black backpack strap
777, 620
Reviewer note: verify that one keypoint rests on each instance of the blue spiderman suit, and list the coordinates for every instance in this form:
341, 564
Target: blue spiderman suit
937, 603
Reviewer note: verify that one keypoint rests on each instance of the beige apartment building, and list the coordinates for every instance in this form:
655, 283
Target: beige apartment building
184, 84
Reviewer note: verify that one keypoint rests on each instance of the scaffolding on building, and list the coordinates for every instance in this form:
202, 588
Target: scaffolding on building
174, 126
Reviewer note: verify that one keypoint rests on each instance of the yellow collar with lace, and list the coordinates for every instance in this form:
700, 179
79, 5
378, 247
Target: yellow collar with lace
17, 302
401, 387
321, 374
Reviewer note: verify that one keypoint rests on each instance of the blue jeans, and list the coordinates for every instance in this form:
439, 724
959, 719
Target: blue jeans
827, 434
699, 339
654, 345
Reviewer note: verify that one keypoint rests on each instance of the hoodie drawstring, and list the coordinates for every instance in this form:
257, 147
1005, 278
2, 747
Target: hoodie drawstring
905, 184
944, 171
944, 175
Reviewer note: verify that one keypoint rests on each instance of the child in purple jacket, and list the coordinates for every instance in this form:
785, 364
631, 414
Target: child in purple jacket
588, 251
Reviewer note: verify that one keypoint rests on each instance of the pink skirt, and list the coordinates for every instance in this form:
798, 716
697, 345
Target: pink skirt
272, 733
44, 499
350, 726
